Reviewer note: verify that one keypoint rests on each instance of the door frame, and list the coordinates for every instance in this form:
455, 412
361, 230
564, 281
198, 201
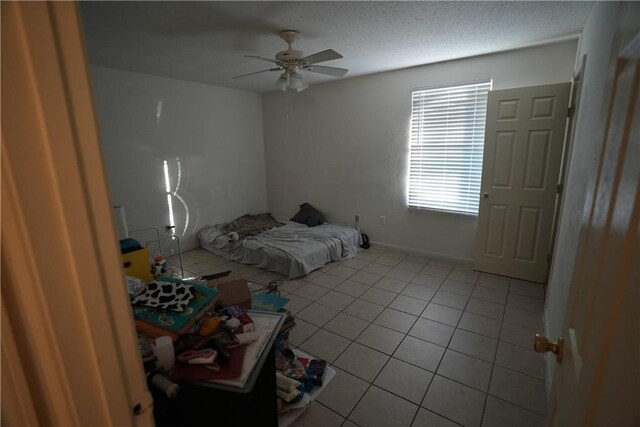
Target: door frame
574, 103
69, 350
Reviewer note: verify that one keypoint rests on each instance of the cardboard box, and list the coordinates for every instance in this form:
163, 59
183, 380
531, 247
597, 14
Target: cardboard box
233, 290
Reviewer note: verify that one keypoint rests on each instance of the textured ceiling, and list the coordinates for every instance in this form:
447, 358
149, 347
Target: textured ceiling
205, 41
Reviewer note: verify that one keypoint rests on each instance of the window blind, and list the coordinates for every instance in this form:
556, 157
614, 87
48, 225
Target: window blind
447, 140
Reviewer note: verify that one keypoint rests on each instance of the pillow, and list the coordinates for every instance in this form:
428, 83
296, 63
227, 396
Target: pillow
308, 215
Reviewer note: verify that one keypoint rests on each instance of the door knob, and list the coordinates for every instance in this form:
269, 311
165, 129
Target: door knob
542, 345
485, 195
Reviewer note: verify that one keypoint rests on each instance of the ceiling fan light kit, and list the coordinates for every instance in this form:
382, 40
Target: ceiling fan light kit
295, 82
291, 62
282, 82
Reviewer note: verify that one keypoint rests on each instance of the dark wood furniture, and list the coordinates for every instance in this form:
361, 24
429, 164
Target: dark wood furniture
211, 404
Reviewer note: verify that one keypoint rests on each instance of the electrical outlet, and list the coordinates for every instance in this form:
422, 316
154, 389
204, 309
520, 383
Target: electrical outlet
357, 218
383, 219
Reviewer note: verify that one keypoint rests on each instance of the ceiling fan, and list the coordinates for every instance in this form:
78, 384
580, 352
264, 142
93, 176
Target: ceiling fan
291, 62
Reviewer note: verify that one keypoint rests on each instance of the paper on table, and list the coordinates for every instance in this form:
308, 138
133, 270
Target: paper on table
263, 325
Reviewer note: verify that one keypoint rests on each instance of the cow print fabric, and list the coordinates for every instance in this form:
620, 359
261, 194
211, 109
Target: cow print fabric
167, 296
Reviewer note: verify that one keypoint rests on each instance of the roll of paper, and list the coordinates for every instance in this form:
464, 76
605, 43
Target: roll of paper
121, 222
163, 383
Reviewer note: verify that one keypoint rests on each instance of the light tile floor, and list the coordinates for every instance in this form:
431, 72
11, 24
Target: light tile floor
414, 341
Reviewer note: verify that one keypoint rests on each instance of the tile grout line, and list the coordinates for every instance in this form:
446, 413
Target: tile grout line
493, 364
440, 362
508, 368
390, 356
370, 383
428, 302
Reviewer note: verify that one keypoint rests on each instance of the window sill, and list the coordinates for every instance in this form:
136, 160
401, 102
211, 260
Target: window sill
441, 212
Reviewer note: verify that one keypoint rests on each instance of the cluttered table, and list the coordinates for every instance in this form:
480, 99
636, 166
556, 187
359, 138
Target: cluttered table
248, 399
267, 325
211, 358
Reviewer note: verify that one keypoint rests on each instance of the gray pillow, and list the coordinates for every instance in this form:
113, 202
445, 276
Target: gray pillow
308, 215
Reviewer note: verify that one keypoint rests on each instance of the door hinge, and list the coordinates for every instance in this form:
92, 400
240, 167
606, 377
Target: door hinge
570, 111
549, 258
559, 189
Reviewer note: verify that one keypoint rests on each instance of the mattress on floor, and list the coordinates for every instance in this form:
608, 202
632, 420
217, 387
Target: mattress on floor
293, 250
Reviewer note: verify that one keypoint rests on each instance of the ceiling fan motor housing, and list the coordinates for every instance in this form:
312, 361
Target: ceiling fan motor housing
289, 56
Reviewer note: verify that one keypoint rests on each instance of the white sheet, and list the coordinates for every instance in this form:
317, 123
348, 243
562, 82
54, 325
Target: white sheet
293, 250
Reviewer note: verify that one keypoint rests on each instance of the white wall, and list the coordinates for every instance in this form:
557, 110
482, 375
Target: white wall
343, 147
211, 138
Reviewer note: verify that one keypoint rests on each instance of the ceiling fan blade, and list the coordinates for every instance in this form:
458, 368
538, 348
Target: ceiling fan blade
257, 72
325, 55
329, 71
264, 59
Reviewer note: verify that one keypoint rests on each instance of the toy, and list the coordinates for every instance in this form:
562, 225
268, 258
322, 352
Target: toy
209, 326
198, 357
159, 266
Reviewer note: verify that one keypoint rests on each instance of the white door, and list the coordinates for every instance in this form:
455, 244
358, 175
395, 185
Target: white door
521, 164
598, 382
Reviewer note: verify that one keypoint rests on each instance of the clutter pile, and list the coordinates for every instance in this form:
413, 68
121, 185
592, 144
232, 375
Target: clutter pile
199, 329
189, 329
296, 377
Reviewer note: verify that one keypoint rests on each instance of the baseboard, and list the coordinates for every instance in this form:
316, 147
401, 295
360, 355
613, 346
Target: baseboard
188, 247
423, 252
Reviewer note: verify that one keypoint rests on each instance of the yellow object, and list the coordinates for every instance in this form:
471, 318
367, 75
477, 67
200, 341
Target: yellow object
209, 326
137, 264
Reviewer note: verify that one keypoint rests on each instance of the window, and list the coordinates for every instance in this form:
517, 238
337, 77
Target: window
447, 140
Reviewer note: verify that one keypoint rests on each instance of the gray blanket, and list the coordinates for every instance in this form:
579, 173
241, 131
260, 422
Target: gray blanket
251, 225
292, 250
